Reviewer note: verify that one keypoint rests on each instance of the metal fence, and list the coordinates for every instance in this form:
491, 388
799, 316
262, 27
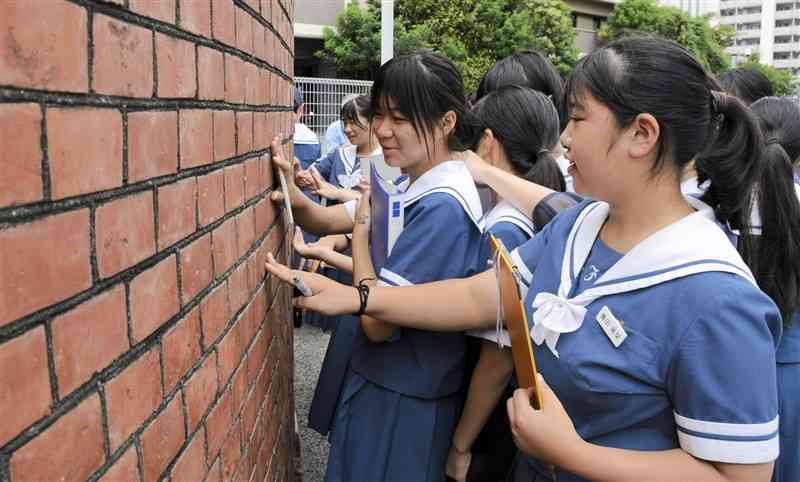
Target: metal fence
323, 99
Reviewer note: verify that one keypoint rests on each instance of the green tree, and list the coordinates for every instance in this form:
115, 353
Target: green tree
783, 81
707, 43
472, 33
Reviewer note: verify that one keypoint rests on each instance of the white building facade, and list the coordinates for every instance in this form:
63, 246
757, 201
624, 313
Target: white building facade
695, 8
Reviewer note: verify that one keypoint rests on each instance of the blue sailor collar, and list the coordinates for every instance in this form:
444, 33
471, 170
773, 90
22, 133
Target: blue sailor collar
304, 135
505, 212
349, 155
451, 177
692, 245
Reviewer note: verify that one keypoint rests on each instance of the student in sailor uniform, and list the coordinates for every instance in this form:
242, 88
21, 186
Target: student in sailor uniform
342, 166
656, 341
777, 270
401, 398
306, 143
520, 127
747, 84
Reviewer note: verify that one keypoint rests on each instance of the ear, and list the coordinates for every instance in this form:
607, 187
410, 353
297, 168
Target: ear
449, 122
644, 132
486, 146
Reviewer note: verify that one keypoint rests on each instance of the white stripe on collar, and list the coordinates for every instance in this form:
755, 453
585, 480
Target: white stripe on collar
349, 155
451, 177
505, 212
304, 135
692, 245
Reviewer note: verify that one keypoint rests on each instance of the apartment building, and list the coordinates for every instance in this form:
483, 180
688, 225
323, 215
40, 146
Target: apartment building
770, 28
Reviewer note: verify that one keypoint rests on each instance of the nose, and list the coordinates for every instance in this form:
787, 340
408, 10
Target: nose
382, 129
566, 136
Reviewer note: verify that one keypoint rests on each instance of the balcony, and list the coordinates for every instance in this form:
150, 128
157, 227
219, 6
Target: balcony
788, 47
786, 14
790, 30
786, 63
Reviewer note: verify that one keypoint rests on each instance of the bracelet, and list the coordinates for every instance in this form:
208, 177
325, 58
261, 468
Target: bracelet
363, 295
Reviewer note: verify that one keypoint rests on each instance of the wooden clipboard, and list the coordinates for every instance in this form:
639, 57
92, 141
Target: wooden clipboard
516, 322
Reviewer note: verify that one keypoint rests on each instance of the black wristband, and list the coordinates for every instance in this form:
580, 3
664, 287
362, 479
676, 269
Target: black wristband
363, 295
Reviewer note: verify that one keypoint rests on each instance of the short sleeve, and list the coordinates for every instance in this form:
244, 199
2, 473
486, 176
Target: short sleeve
526, 257
439, 241
325, 165
511, 236
551, 206
350, 208
722, 380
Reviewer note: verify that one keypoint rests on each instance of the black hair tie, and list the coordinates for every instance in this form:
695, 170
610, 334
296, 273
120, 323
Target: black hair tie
363, 295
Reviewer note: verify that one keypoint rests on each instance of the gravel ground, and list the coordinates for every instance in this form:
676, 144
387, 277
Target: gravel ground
310, 344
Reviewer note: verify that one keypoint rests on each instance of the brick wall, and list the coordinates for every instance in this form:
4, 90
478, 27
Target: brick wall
139, 337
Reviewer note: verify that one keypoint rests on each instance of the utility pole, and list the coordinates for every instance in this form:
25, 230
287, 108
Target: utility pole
387, 30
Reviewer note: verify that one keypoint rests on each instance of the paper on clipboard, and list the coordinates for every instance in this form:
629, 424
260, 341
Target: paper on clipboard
516, 323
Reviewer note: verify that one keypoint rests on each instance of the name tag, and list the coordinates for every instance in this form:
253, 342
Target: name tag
611, 326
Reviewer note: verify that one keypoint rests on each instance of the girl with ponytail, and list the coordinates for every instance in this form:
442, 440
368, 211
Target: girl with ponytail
776, 265
520, 129
656, 344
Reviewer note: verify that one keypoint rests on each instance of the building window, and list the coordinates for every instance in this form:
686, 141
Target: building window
574, 19
728, 12
780, 55
783, 23
749, 10
781, 7
783, 39
598, 22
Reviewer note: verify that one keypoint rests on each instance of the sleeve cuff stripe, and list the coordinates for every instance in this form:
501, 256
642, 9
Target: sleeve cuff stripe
382, 283
732, 429
394, 278
732, 438
523, 270
727, 451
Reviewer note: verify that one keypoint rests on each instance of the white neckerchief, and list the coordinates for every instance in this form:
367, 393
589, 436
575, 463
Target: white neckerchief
304, 135
505, 212
352, 176
451, 177
692, 245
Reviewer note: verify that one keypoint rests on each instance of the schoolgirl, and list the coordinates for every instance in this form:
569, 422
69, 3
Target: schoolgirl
748, 84
342, 166
520, 129
650, 329
777, 269
401, 398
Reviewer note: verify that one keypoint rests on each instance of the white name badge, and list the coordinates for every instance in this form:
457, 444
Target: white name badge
611, 326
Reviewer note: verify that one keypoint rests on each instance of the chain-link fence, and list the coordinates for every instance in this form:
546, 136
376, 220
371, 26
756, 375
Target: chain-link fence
323, 99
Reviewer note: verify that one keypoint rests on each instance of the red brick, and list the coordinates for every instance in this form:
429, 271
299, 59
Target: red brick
176, 211
196, 16
196, 137
200, 390
71, 449
231, 452
132, 396
152, 144
162, 439
197, 270
215, 313
229, 353
25, 382
244, 125
251, 83
175, 60
21, 181
223, 25
247, 230
43, 262
181, 347
265, 216
125, 232
237, 283
262, 89
259, 41
223, 240
224, 135
85, 150
218, 424
251, 184
123, 58
191, 465
234, 79
215, 473
104, 321
210, 73
244, 31
163, 10
260, 130
211, 196
45, 50
234, 187
125, 469
154, 298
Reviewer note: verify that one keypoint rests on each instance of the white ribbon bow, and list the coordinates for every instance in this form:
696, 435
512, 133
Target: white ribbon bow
554, 315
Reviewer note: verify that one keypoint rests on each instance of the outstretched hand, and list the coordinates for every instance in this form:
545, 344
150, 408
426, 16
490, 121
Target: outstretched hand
328, 298
323, 188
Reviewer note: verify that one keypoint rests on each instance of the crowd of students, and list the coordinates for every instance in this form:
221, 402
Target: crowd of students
680, 224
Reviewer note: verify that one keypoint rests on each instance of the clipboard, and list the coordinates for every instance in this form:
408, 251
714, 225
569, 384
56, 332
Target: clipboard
516, 322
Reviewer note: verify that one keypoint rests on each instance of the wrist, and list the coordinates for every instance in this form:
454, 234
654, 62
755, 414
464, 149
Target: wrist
460, 447
572, 453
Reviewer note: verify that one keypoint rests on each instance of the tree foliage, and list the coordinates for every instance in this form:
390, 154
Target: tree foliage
707, 43
472, 33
